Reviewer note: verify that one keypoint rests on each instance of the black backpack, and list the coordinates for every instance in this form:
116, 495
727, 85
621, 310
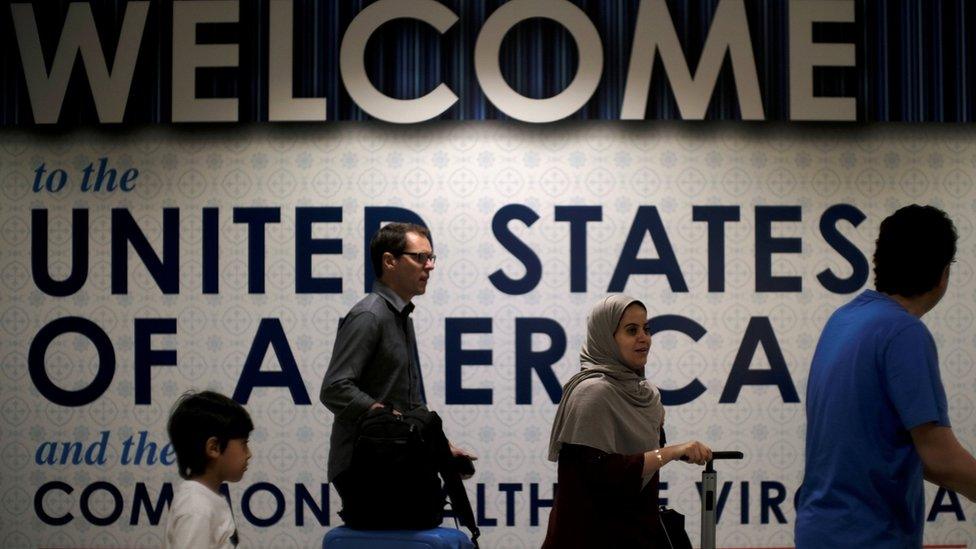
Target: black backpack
398, 462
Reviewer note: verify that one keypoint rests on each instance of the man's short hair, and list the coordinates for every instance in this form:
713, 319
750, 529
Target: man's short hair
392, 238
914, 246
198, 416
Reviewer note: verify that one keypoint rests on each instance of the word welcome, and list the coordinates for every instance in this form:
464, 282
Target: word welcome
654, 36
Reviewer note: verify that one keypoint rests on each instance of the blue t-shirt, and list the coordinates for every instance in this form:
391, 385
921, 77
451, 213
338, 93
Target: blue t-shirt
874, 377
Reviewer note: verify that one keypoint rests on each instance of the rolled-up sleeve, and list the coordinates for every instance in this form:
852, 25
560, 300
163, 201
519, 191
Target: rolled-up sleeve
357, 337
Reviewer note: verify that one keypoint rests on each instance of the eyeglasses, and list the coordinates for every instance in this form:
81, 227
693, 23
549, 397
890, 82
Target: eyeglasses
422, 257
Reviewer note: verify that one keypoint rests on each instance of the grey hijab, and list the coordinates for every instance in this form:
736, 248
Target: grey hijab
607, 405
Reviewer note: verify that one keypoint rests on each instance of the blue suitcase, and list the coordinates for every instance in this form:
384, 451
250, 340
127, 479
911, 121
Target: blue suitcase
435, 538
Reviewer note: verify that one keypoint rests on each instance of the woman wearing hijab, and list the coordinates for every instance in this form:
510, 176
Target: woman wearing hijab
606, 438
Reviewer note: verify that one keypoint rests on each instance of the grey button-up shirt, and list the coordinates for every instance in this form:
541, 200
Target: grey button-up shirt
374, 359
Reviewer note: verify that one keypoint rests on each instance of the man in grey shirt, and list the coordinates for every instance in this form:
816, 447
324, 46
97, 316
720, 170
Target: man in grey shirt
375, 360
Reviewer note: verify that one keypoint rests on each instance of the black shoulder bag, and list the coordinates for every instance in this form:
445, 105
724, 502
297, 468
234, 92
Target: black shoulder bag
672, 522
398, 462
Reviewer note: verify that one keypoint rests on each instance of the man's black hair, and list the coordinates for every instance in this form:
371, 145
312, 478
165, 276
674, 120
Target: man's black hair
392, 238
914, 246
198, 416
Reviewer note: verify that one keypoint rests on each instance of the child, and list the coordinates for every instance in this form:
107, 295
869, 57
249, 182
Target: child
209, 434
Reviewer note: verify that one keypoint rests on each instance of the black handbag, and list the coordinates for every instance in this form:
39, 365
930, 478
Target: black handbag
673, 529
673, 532
398, 461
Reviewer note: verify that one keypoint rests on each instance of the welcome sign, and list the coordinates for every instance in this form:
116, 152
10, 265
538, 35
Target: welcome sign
410, 61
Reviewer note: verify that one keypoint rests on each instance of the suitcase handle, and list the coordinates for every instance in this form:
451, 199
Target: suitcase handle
721, 455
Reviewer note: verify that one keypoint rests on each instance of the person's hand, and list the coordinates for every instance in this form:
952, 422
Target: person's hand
694, 452
457, 451
380, 405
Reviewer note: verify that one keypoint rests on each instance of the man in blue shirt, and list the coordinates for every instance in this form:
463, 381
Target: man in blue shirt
877, 419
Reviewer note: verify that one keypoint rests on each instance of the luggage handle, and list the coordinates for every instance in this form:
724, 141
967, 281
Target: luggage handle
718, 455
722, 455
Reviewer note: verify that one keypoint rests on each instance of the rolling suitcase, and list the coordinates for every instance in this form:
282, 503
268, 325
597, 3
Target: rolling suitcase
709, 482
435, 538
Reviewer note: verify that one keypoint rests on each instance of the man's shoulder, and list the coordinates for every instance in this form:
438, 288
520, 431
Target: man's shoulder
373, 304
882, 313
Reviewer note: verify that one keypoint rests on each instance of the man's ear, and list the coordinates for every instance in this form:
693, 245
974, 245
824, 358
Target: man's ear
389, 261
212, 448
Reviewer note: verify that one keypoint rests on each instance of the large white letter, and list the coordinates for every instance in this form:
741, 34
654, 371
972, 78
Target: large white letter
353, 69
516, 105
188, 55
805, 54
655, 32
282, 105
109, 90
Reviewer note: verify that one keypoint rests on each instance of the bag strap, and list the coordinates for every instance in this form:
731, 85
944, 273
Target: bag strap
460, 504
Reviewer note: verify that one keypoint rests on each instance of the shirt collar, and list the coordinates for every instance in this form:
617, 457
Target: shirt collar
874, 294
384, 291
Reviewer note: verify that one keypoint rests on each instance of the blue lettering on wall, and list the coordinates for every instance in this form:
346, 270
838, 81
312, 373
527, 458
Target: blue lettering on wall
716, 217
306, 247
536, 503
42, 514
578, 217
481, 518
773, 494
146, 357
270, 333
256, 219
86, 507
141, 500
165, 271
38, 372
519, 249
527, 360
847, 250
767, 245
940, 506
210, 258
692, 329
647, 221
455, 357
79, 254
510, 488
279, 506
759, 332
320, 509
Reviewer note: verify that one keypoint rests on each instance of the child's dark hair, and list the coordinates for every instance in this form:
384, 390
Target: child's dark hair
198, 416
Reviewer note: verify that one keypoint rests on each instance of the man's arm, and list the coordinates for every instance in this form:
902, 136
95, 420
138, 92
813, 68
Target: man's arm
946, 462
355, 341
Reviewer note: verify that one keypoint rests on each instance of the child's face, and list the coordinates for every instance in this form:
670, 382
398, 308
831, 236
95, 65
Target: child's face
232, 462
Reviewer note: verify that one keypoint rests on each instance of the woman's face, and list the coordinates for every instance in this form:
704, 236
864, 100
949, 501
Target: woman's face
632, 337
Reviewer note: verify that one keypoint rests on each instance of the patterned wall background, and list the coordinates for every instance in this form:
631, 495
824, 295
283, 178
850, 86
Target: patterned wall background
457, 177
